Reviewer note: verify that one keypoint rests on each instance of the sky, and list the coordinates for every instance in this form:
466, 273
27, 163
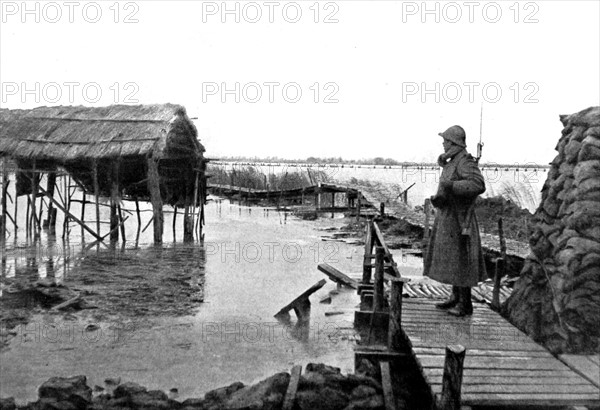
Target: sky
352, 79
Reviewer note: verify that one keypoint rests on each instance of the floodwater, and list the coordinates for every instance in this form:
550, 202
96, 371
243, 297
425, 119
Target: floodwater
192, 317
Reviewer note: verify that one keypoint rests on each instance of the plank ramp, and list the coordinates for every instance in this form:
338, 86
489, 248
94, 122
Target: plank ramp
503, 366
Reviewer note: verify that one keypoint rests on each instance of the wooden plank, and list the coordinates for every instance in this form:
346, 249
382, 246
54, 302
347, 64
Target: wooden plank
582, 366
469, 379
386, 382
302, 296
518, 388
69, 214
290, 394
337, 276
564, 373
594, 358
482, 362
542, 399
481, 352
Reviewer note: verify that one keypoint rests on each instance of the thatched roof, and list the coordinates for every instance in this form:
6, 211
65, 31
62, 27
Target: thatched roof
74, 133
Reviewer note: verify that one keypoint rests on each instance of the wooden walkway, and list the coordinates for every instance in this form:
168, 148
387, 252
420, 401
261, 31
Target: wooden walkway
502, 366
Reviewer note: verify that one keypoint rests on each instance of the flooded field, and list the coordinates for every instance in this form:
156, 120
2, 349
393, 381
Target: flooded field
522, 184
191, 317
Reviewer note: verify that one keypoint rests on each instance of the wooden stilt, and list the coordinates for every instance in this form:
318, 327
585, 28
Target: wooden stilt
188, 225
96, 194
51, 210
358, 207
70, 215
34, 190
174, 223
27, 219
4, 192
156, 199
83, 201
426, 233
114, 201
137, 211
121, 224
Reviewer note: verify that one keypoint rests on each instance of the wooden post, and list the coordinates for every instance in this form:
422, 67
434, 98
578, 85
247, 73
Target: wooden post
366, 278
137, 211
121, 224
96, 194
114, 201
34, 191
427, 209
188, 225
156, 199
318, 196
51, 186
83, 201
378, 282
4, 193
382, 209
499, 273
333, 199
395, 322
358, 203
452, 379
174, 227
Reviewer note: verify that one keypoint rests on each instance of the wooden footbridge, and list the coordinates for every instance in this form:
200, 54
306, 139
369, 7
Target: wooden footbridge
479, 360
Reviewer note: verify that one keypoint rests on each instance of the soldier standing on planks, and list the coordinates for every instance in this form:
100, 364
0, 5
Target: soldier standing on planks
454, 254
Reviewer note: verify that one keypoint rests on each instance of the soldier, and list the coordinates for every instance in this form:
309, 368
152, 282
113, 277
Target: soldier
454, 254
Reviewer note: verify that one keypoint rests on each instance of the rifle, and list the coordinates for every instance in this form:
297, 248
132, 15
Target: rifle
469, 216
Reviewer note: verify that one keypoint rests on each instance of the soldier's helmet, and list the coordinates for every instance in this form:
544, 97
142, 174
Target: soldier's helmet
456, 134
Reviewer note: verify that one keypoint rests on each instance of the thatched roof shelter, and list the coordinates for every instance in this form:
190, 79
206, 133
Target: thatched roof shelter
118, 139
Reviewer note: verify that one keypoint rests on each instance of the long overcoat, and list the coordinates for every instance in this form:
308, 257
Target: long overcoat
452, 257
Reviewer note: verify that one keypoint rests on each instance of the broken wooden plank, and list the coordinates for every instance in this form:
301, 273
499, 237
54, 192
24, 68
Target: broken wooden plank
290, 394
337, 276
301, 304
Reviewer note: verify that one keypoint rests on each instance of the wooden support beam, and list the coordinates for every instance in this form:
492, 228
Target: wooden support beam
70, 215
34, 191
114, 202
395, 337
498, 274
156, 198
51, 186
301, 304
426, 231
290, 394
386, 382
174, 227
96, 193
378, 281
382, 209
4, 193
337, 276
121, 224
452, 379
368, 250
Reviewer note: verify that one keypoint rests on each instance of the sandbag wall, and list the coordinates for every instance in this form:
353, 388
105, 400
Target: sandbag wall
557, 298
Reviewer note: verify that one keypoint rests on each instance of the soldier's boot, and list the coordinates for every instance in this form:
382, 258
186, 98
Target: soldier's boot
452, 301
464, 306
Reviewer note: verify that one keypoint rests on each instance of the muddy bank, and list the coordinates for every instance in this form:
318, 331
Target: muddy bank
320, 387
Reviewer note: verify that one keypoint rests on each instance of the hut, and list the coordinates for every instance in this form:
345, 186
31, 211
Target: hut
143, 152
